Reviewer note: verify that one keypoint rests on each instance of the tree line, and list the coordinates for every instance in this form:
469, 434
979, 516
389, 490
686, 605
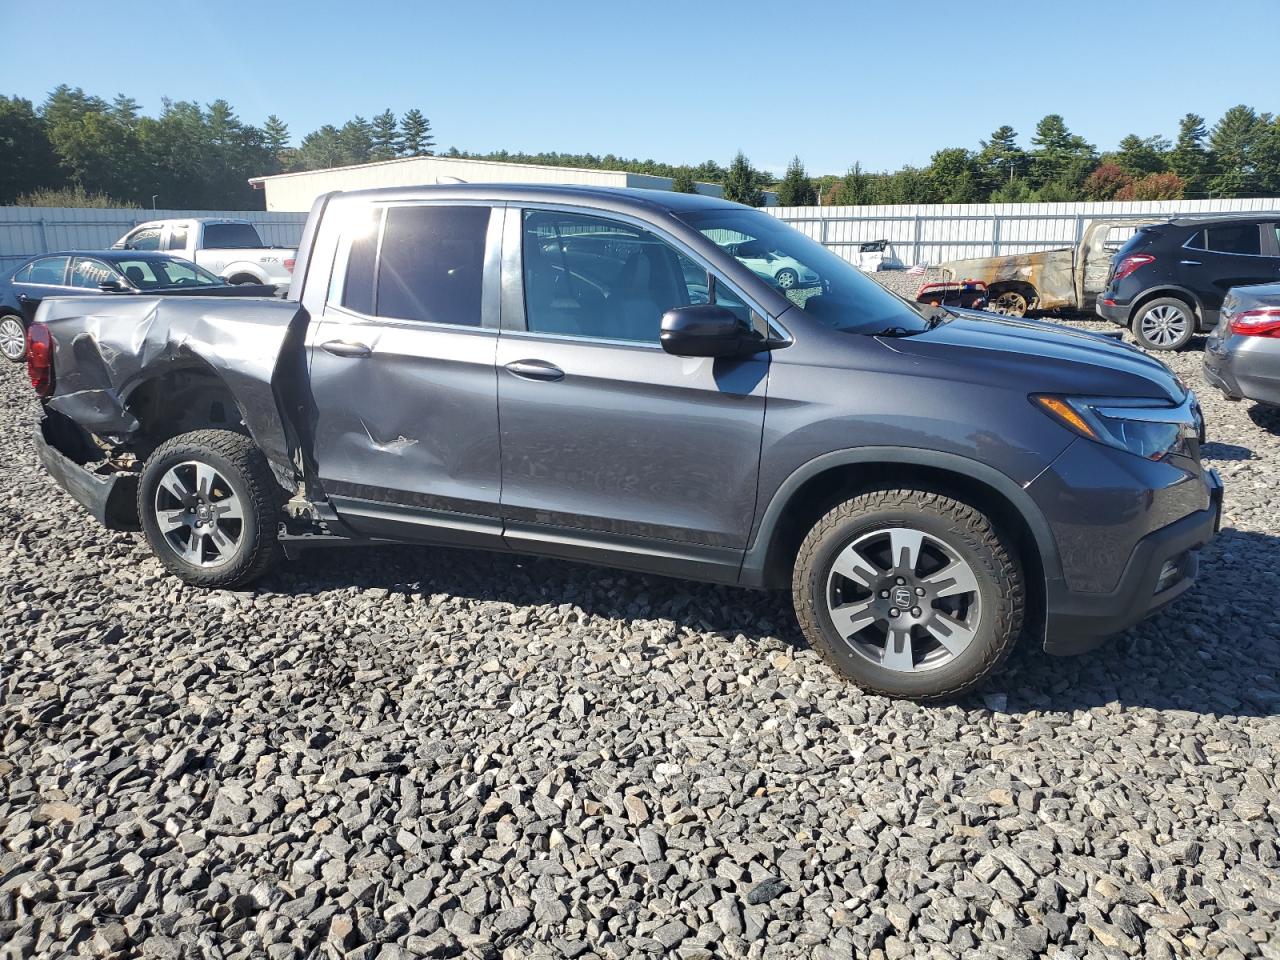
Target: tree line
76, 149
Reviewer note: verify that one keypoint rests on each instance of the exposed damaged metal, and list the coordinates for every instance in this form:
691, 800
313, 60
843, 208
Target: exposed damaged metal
141, 369
1069, 277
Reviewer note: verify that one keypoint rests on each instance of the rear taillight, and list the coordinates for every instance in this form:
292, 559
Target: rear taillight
1132, 263
40, 359
288, 263
1263, 322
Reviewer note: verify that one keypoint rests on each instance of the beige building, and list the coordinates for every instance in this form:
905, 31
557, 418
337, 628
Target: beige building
297, 191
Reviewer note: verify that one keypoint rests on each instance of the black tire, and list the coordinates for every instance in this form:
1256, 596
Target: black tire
787, 278
970, 535
1154, 339
236, 460
12, 326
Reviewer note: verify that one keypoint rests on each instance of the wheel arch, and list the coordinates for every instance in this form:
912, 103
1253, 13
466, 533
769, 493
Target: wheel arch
1165, 290
826, 480
181, 398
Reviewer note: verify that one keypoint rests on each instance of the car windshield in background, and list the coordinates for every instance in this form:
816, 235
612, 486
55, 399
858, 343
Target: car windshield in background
822, 284
151, 273
231, 236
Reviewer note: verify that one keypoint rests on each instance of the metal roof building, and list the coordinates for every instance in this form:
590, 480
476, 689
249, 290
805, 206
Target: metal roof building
297, 191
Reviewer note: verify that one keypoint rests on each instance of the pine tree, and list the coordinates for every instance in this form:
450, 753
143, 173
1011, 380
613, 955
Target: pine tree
1000, 159
740, 183
416, 139
1233, 142
796, 190
386, 136
1061, 158
1139, 156
682, 181
1190, 159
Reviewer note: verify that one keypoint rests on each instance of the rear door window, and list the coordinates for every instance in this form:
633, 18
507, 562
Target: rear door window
231, 236
1237, 238
50, 271
431, 264
177, 238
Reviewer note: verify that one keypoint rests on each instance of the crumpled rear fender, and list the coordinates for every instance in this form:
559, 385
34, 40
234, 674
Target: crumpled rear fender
105, 348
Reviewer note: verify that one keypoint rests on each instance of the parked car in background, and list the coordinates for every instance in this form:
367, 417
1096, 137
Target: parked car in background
1242, 354
84, 273
784, 272
1169, 280
1069, 277
232, 249
872, 256
926, 482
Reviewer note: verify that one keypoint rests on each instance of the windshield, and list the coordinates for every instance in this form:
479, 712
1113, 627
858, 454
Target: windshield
822, 284
152, 273
231, 236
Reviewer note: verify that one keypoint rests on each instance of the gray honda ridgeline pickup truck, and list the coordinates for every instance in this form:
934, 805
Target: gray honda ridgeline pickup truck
611, 376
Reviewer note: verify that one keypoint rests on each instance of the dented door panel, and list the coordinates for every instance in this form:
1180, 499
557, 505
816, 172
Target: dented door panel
408, 434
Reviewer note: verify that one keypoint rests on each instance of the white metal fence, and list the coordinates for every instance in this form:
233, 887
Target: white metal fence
935, 233
27, 231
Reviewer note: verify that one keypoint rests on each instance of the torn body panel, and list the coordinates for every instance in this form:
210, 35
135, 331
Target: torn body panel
107, 348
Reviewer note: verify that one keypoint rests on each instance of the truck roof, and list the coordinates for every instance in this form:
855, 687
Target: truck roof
607, 197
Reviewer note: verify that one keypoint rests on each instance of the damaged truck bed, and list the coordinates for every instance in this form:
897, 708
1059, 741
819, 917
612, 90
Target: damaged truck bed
1069, 277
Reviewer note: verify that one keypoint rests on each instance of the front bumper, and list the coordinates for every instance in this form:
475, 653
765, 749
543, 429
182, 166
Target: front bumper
64, 451
1078, 621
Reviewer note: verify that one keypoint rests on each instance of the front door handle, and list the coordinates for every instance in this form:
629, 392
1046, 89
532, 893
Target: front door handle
23, 298
345, 348
535, 370
1190, 263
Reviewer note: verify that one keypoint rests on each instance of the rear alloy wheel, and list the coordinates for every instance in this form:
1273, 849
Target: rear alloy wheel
1164, 324
210, 508
1010, 303
909, 593
13, 338
787, 278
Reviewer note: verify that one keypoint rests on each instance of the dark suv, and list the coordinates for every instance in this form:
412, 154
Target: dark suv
593, 374
1169, 280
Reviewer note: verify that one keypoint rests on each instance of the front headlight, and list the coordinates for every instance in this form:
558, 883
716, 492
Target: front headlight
1148, 428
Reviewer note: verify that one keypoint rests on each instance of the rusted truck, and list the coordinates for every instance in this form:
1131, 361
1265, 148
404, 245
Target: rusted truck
1070, 277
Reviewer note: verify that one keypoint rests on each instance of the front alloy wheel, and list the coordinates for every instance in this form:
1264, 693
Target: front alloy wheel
909, 593
13, 338
787, 278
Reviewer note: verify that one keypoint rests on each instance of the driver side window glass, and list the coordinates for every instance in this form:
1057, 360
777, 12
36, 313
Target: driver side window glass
148, 239
178, 238
604, 279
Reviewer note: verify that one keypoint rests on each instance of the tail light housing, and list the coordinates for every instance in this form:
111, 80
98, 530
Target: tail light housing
1131, 263
288, 263
40, 359
1260, 322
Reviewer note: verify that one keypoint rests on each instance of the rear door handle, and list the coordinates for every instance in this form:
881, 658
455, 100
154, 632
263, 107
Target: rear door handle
344, 348
535, 370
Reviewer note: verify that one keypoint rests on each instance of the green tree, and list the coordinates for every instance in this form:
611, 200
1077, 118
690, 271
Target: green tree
741, 183
1189, 158
415, 133
796, 189
682, 181
956, 176
356, 141
30, 162
854, 189
275, 137
1060, 157
1138, 156
1000, 159
1234, 143
386, 136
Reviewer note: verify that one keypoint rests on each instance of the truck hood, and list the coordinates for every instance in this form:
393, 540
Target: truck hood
1045, 357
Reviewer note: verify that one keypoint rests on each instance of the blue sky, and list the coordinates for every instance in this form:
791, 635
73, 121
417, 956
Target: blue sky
883, 83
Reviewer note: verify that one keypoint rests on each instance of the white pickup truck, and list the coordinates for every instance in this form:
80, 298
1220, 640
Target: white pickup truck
230, 248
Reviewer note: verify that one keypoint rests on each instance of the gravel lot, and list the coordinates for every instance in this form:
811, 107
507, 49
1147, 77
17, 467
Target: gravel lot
409, 752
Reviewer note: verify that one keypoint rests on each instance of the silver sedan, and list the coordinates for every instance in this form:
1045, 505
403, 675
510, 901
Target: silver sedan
1242, 355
